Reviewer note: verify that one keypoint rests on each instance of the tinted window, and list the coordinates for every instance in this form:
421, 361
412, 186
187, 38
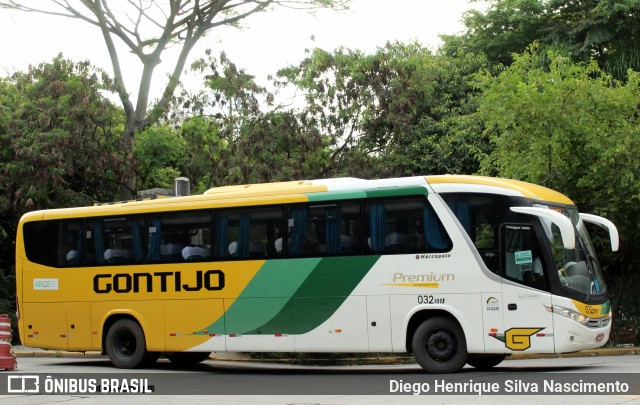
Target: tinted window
179, 236
55, 243
481, 217
404, 225
522, 261
323, 229
116, 240
248, 233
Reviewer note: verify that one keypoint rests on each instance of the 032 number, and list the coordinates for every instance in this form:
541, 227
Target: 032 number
429, 299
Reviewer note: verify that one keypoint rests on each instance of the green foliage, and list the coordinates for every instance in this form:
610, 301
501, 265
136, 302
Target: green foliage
160, 152
8, 302
607, 31
238, 137
177, 24
59, 143
403, 107
203, 151
570, 127
625, 305
275, 147
505, 28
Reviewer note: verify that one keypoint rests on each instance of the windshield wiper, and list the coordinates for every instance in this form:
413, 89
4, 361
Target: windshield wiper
595, 285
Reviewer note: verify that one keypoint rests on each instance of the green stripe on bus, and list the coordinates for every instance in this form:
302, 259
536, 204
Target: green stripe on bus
279, 278
320, 296
335, 195
370, 193
265, 295
396, 191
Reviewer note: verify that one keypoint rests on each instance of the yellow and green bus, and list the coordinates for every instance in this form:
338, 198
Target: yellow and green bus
454, 269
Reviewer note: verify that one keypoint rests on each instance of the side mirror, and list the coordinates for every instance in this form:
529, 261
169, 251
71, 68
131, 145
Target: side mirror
561, 221
606, 224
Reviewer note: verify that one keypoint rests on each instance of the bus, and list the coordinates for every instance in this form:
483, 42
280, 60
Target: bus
453, 269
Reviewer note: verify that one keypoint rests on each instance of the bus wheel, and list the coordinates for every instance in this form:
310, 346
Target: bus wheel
125, 344
439, 346
485, 361
188, 358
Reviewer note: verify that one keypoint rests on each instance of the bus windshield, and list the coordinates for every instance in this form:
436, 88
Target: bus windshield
578, 268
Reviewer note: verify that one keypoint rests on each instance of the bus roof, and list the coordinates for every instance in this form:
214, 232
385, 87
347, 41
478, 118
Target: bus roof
313, 190
249, 194
464, 183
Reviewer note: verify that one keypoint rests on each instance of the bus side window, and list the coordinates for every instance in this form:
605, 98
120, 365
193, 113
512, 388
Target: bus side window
522, 260
331, 229
404, 225
248, 233
179, 236
63, 244
70, 246
350, 228
116, 240
479, 216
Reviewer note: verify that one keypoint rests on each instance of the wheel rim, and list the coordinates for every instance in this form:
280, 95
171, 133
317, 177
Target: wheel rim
125, 344
441, 345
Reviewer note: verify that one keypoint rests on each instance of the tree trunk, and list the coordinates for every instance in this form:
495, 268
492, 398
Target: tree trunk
127, 173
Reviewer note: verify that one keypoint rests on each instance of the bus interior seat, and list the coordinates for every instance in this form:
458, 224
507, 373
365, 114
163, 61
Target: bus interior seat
577, 269
112, 256
233, 249
396, 242
194, 253
171, 251
73, 257
578, 275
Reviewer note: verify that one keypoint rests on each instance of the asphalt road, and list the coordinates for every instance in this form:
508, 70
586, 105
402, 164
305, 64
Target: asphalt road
267, 383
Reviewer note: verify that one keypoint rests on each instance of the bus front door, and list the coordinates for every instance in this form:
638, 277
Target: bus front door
528, 326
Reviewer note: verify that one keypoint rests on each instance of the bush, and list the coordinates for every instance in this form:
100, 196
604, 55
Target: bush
8, 302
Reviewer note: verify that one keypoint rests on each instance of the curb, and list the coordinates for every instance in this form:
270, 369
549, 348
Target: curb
378, 360
54, 353
614, 351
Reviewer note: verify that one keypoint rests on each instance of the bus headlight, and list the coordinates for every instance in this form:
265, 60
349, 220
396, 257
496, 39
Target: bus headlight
566, 312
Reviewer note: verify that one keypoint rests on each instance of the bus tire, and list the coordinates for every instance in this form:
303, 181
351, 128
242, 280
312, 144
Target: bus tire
188, 358
125, 344
485, 361
439, 346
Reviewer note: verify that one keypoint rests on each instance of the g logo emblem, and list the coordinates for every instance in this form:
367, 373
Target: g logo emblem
519, 339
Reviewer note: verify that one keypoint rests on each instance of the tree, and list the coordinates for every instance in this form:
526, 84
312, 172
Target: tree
203, 151
60, 146
570, 127
159, 151
505, 28
247, 138
147, 28
58, 138
403, 105
607, 31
